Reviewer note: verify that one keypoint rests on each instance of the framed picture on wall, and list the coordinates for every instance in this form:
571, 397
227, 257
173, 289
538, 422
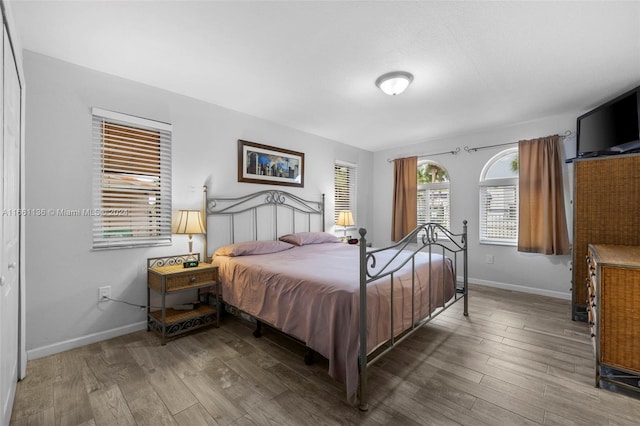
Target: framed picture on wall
269, 165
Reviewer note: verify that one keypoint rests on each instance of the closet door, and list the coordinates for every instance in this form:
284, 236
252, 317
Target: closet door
10, 256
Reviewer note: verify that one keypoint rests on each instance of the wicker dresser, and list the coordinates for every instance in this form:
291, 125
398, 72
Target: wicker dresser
614, 314
606, 208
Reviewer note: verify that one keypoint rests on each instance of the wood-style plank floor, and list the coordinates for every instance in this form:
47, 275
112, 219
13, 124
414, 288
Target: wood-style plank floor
518, 359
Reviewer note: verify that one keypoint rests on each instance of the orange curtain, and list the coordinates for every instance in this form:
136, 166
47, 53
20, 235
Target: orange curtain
542, 225
405, 197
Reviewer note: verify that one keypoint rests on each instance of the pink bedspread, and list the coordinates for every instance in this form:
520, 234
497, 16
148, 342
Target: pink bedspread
312, 293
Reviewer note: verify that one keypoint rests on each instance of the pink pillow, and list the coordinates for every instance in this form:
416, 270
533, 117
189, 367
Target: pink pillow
252, 247
302, 238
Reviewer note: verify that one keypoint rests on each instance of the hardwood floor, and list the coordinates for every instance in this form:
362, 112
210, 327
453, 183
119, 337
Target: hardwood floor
518, 359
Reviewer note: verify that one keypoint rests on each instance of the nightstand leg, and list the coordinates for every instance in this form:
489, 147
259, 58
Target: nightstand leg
218, 305
163, 341
148, 308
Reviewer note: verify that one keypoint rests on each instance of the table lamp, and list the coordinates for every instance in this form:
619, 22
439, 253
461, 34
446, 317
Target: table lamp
345, 218
189, 222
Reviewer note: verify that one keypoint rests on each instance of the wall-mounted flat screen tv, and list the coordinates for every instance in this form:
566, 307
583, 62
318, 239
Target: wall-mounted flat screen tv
611, 128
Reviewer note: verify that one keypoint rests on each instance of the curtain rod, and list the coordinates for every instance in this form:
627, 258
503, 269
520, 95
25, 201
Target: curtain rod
454, 152
466, 148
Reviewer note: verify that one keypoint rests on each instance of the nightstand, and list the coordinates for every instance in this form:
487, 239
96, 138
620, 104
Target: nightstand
167, 275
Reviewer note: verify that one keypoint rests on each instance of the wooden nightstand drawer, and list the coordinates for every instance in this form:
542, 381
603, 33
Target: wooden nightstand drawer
179, 278
184, 280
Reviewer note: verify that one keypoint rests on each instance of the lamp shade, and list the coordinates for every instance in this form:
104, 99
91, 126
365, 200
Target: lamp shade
345, 218
189, 222
394, 83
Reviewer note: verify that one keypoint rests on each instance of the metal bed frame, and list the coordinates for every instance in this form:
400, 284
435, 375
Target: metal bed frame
426, 238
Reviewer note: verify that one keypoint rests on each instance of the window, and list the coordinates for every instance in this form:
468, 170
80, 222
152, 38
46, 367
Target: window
433, 194
499, 199
132, 181
344, 178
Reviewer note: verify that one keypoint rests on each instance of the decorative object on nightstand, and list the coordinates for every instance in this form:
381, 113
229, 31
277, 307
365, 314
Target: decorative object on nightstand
345, 218
189, 222
166, 276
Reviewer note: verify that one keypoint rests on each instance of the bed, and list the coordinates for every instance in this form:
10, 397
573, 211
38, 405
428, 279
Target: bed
349, 303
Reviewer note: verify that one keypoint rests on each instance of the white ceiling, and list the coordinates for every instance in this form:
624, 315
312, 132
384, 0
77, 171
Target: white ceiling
311, 65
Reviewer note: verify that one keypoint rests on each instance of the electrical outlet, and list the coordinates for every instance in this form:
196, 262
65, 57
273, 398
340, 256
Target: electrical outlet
104, 293
489, 258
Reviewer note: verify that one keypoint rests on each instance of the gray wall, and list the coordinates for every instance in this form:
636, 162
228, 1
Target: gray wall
63, 273
546, 275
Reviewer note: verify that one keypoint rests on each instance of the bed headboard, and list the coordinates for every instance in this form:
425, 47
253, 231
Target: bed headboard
261, 215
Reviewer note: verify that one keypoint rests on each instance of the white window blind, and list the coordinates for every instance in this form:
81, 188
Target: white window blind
499, 213
345, 188
434, 203
434, 206
499, 199
132, 181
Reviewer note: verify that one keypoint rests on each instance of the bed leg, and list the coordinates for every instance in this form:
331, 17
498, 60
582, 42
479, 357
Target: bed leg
465, 312
363, 405
465, 268
309, 356
466, 300
258, 331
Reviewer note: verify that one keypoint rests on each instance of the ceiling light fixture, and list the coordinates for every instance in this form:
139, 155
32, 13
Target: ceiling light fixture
394, 83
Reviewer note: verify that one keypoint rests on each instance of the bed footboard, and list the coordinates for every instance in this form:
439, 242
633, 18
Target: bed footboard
426, 240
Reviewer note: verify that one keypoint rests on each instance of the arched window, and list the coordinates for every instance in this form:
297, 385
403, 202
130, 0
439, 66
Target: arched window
433, 194
499, 199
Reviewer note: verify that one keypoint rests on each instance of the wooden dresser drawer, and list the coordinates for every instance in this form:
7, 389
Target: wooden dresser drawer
613, 297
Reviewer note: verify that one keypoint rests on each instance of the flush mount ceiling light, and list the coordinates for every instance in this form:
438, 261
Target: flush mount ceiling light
394, 83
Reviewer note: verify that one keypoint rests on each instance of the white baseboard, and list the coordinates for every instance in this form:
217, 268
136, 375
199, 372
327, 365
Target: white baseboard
522, 289
84, 340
